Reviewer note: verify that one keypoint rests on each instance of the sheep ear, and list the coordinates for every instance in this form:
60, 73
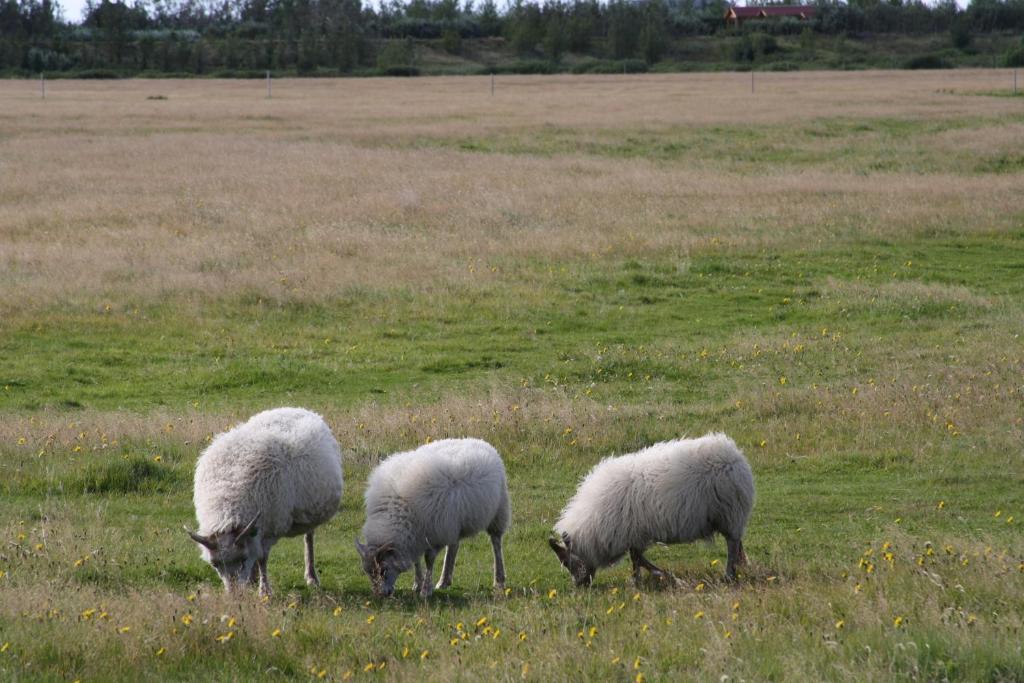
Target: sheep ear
360, 548
249, 530
201, 540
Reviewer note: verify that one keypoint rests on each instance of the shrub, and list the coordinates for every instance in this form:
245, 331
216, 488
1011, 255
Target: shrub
743, 50
1015, 57
399, 71
782, 66
525, 66
451, 41
960, 34
927, 62
764, 44
396, 55
610, 66
97, 74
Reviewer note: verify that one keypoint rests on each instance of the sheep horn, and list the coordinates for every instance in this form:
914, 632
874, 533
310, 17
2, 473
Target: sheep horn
201, 540
250, 527
383, 550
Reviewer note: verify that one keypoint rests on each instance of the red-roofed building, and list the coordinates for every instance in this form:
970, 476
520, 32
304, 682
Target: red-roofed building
736, 15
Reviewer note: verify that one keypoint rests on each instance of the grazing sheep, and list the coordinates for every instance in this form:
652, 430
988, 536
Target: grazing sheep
279, 474
672, 492
420, 501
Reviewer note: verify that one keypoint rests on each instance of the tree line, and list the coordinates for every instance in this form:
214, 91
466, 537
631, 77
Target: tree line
346, 36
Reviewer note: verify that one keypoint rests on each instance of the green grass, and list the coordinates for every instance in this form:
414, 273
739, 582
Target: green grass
875, 385
417, 346
675, 350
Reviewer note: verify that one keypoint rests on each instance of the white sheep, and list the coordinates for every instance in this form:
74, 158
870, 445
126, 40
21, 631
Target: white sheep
672, 492
277, 475
420, 501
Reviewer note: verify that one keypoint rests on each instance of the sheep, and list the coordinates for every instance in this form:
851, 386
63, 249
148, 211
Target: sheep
422, 500
672, 492
277, 475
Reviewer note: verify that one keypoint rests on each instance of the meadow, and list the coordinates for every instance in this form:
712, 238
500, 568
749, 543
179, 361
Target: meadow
830, 269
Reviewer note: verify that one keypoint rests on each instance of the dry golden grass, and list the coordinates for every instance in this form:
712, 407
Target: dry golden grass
111, 198
576, 267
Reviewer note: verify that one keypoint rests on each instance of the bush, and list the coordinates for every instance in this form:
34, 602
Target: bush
764, 44
451, 41
525, 66
396, 54
399, 71
743, 50
960, 34
1014, 57
96, 74
238, 73
610, 66
927, 62
782, 66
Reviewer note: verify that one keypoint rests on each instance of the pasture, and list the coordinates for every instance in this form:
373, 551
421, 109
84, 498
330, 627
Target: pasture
829, 269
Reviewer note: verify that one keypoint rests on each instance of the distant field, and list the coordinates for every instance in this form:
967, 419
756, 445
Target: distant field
830, 269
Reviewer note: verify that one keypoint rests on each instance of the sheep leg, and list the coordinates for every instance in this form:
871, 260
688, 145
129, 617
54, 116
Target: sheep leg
499, 562
264, 590
254, 574
736, 557
639, 561
634, 558
311, 578
417, 582
448, 568
426, 587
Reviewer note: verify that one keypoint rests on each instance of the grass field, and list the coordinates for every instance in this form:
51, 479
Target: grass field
829, 269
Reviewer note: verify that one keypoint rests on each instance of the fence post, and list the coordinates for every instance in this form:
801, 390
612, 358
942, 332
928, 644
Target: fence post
268, 84
42, 84
492, 84
751, 80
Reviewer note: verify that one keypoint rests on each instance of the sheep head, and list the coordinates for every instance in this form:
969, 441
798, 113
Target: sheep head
232, 553
383, 564
582, 575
